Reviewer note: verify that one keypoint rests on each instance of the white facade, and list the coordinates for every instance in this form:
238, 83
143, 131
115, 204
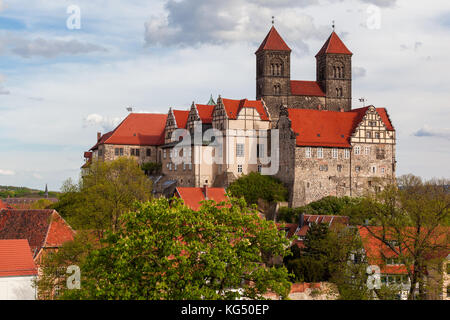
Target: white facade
17, 288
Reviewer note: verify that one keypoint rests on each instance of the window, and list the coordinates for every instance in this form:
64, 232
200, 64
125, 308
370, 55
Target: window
339, 92
116, 151
121, 151
373, 169
368, 134
320, 153
308, 152
277, 89
367, 151
346, 153
149, 152
323, 167
357, 168
175, 166
184, 166
377, 135
383, 170
357, 150
239, 149
100, 152
335, 153
170, 166
372, 123
165, 154
240, 168
259, 168
339, 168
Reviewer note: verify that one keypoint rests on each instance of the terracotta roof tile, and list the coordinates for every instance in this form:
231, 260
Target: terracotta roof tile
233, 107
144, 129
181, 118
42, 228
193, 196
306, 88
205, 112
16, 258
4, 205
334, 45
273, 41
329, 128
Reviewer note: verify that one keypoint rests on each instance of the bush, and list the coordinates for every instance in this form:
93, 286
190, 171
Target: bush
151, 168
255, 186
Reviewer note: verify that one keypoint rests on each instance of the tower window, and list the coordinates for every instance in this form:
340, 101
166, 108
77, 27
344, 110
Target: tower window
339, 92
277, 89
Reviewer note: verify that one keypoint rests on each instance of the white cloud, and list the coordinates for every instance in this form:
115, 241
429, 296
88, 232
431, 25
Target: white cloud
97, 120
6, 172
429, 131
359, 72
381, 3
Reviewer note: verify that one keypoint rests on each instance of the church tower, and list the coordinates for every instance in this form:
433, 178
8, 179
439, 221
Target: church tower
334, 73
273, 72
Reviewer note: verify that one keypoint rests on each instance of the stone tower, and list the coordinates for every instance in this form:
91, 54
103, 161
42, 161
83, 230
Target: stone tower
273, 72
334, 73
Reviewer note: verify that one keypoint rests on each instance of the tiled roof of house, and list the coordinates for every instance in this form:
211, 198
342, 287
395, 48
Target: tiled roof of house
329, 128
144, 129
193, 196
181, 118
273, 41
233, 107
42, 228
334, 45
306, 88
205, 112
16, 258
376, 251
4, 205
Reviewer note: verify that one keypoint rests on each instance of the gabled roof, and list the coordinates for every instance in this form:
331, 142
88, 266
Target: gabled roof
334, 45
306, 88
16, 259
193, 196
42, 228
233, 107
205, 112
143, 129
273, 41
181, 118
329, 128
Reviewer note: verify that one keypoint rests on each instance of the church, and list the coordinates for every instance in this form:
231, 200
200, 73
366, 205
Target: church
325, 147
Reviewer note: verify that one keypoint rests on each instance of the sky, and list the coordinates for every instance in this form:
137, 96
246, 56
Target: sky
69, 69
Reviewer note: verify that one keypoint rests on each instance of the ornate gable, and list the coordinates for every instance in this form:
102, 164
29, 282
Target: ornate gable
372, 129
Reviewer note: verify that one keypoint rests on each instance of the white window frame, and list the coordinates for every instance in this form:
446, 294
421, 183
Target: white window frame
335, 153
164, 153
308, 152
347, 153
320, 153
367, 151
357, 150
240, 150
239, 168
259, 168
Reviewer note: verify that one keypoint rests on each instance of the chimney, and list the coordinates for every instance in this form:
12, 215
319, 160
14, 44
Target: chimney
341, 109
319, 107
99, 135
204, 190
301, 220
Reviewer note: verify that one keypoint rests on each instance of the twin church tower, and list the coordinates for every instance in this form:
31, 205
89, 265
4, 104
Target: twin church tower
332, 89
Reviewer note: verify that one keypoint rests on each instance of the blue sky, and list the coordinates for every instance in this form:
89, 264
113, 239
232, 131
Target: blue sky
58, 86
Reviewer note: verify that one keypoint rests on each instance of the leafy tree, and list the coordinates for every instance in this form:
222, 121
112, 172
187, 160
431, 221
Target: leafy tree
411, 220
165, 250
151, 168
108, 190
255, 186
42, 204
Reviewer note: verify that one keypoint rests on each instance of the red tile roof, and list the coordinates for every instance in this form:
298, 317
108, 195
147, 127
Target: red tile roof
181, 118
16, 259
42, 228
193, 196
306, 88
334, 45
4, 205
233, 107
329, 128
143, 129
205, 112
273, 41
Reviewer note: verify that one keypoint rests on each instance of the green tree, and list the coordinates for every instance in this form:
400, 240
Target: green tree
411, 224
164, 250
255, 186
108, 190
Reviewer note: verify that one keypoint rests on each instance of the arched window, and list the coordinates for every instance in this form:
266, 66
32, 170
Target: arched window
338, 71
276, 67
277, 89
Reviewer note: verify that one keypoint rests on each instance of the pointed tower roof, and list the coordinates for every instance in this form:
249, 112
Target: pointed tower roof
273, 41
211, 102
334, 45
